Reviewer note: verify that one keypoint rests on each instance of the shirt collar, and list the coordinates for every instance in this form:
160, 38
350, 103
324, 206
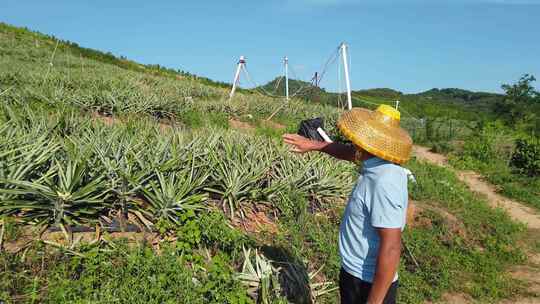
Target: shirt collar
373, 162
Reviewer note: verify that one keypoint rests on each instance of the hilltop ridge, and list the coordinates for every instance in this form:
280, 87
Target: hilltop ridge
104, 57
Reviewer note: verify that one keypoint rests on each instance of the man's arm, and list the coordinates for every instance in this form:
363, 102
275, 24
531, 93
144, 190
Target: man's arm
387, 263
302, 145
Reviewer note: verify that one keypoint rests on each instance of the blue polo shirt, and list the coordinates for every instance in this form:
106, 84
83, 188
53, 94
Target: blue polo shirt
378, 200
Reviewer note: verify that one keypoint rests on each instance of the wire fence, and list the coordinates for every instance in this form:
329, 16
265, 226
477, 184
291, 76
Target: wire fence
421, 129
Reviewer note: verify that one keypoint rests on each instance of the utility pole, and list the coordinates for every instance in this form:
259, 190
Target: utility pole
343, 48
241, 63
286, 62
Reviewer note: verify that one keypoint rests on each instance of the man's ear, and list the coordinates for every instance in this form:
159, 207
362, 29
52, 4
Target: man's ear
358, 154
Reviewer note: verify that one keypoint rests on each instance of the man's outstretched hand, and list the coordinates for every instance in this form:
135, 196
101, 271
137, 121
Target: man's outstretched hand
301, 144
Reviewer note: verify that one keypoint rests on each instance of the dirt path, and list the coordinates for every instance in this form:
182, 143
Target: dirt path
425, 154
476, 183
529, 274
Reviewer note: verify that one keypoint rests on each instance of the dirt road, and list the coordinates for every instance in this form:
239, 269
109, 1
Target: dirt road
516, 210
519, 212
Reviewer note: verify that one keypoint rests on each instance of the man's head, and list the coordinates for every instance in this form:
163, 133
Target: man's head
361, 154
377, 133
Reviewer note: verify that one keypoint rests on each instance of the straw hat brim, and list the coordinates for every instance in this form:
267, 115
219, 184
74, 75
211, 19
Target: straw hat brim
385, 141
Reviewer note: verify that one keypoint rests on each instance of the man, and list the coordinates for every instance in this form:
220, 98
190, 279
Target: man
370, 231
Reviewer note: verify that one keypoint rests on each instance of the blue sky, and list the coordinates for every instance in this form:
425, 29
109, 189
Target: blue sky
408, 45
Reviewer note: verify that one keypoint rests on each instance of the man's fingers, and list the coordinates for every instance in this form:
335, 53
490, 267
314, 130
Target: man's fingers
295, 141
289, 136
293, 136
290, 141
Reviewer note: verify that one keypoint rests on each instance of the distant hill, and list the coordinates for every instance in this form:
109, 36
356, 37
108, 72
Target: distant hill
384, 93
472, 100
469, 99
449, 102
297, 88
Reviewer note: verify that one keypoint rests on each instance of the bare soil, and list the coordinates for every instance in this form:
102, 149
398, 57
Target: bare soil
272, 124
31, 234
240, 125
107, 120
415, 218
516, 210
256, 220
454, 298
165, 125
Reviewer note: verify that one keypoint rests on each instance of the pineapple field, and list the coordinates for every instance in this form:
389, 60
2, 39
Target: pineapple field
126, 183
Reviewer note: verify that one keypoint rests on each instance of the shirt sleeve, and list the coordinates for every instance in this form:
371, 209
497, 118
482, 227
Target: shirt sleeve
387, 206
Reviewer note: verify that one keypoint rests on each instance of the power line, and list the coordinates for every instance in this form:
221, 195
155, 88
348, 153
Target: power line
401, 109
277, 83
262, 91
258, 87
331, 60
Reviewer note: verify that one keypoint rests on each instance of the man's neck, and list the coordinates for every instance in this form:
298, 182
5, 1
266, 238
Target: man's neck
365, 156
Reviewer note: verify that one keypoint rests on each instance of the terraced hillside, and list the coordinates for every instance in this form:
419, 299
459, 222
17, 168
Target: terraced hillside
150, 186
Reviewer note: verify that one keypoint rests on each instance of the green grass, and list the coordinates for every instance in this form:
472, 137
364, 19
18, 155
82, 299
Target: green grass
489, 151
140, 276
516, 186
132, 273
513, 185
473, 262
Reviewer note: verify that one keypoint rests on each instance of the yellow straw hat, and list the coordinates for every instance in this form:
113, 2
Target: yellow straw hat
378, 132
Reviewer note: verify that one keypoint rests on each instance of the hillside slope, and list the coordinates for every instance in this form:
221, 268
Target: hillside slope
40, 68
89, 145
19, 35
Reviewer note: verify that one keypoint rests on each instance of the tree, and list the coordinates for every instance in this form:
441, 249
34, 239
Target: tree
518, 100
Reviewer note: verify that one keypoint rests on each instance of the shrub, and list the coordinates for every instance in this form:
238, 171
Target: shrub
526, 156
441, 147
139, 275
216, 233
488, 145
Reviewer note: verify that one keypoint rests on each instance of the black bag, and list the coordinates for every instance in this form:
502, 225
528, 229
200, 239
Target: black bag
308, 128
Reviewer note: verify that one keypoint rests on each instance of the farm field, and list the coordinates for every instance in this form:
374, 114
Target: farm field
150, 186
